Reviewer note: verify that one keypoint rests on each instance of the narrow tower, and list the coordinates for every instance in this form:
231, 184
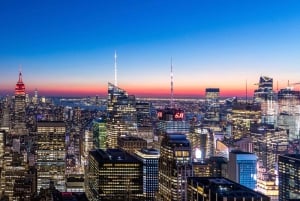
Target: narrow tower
172, 92
19, 123
116, 81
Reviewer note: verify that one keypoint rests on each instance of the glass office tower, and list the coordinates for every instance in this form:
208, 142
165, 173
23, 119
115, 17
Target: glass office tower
242, 168
122, 119
149, 157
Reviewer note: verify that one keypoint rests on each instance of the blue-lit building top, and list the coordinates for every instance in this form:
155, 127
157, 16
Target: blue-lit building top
242, 168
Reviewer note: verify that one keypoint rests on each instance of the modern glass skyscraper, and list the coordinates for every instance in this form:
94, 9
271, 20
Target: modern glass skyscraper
175, 165
122, 119
242, 168
289, 177
149, 157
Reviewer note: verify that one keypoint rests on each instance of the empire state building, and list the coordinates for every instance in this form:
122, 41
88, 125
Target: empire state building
19, 123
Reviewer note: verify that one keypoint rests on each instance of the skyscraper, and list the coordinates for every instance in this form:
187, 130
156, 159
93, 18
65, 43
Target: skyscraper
149, 157
288, 109
19, 122
212, 113
51, 154
122, 118
289, 177
175, 165
113, 174
242, 168
267, 99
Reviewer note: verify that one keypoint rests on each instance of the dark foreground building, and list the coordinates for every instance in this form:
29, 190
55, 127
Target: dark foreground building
113, 175
220, 189
289, 177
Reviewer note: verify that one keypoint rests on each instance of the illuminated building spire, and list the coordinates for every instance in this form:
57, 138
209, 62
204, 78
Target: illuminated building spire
116, 81
172, 92
20, 86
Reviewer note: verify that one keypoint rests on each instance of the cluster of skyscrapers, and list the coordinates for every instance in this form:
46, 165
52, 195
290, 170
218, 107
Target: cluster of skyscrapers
125, 148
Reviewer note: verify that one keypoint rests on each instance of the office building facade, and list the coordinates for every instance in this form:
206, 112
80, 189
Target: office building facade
174, 167
51, 154
289, 177
122, 119
149, 157
113, 174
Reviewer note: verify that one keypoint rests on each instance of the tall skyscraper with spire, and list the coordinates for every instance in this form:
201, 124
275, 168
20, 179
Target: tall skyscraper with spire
19, 121
122, 119
121, 109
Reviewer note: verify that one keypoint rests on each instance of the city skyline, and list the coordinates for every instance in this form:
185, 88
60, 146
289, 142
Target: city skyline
68, 49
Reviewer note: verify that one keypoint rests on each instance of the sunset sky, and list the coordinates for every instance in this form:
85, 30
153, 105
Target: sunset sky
67, 47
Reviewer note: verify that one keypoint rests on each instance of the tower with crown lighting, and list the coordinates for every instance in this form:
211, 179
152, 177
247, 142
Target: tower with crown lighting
18, 121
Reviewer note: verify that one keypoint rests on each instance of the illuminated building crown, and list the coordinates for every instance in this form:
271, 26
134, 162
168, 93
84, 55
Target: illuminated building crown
20, 86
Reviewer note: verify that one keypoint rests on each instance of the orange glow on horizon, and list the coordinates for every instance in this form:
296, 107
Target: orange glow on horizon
138, 91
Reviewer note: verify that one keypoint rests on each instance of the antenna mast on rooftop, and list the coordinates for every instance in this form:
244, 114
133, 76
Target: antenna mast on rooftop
116, 81
172, 92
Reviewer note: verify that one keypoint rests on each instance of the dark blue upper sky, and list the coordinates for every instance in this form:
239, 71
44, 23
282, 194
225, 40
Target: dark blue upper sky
208, 36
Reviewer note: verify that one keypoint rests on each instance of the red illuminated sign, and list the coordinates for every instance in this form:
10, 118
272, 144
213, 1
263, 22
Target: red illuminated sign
178, 115
159, 114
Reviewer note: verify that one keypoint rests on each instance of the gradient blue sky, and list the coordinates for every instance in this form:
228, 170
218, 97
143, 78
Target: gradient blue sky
68, 46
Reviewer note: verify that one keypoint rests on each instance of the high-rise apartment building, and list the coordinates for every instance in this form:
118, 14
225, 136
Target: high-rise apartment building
289, 177
51, 154
149, 157
113, 174
175, 166
122, 118
242, 168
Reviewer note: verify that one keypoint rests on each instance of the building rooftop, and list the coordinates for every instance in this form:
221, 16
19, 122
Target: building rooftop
150, 151
240, 152
223, 186
112, 156
130, 138
176, 140
293, 156
51, 124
